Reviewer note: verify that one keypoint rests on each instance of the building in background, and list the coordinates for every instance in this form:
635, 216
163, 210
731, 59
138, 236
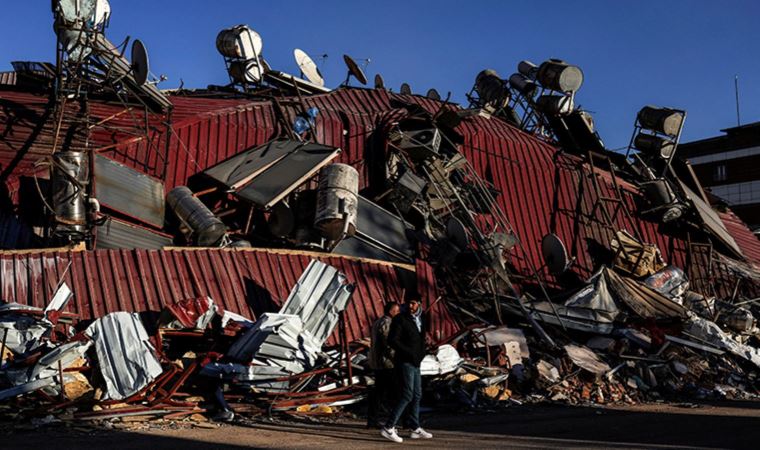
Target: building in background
729, 166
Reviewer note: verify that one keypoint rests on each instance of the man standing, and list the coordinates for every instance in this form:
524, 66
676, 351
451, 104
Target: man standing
381, 362
407, 340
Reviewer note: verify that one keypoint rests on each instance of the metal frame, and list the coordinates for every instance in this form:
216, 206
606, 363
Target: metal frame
94, 74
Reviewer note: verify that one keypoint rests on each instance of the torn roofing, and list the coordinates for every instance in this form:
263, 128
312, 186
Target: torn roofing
529, 174
745, 239
243, 281
126, 359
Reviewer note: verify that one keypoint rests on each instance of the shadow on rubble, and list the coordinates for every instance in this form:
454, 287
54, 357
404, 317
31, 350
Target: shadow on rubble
722, 427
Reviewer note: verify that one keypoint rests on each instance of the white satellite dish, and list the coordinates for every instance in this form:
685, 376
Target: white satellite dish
308, 68
140, 62
405, 89
554, 253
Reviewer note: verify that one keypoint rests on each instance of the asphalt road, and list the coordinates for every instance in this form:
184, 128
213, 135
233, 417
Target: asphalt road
725, 425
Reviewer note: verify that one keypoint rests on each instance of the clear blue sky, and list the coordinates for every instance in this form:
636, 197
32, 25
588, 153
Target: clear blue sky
671, 53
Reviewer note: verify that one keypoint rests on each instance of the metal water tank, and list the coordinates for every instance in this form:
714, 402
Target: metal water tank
239, 42
70, 175
246, 71
207, 229
654, 145
337, 200
523, 84
528, 69
560, 76
491, 89
658, 192
661, 120
555, 105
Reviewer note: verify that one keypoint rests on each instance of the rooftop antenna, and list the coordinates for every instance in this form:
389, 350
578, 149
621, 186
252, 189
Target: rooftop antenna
308, 68
736, 91
355, 70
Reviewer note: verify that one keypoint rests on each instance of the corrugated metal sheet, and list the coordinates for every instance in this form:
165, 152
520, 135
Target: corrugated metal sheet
8, 78
126, 358
531, 175
745, 239
129, 192
244, 281
318, 298
116, 234
441, 323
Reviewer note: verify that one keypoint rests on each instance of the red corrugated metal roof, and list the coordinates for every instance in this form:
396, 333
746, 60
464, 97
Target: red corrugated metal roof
8, 78
247, 282
542, 190
745, 239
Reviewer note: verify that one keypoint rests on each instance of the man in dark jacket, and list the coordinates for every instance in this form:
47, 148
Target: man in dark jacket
408, 341
381, 363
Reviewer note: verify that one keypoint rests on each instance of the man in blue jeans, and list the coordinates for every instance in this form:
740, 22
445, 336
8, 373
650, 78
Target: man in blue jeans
407, 340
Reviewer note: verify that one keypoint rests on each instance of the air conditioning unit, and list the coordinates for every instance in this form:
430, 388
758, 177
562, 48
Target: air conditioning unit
421, 144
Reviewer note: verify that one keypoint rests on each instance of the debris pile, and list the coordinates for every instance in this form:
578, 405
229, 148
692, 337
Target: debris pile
550, 268
114, 368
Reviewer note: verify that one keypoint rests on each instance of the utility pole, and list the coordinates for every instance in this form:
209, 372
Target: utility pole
736, 90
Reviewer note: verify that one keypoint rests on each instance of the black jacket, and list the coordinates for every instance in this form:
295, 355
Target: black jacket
406, 340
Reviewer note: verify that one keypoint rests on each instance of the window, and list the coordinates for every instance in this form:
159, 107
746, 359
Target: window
719, 174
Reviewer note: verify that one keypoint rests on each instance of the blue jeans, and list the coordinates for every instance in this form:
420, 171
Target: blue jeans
409, 400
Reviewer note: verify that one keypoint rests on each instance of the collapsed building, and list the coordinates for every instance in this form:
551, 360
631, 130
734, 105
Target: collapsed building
282, 209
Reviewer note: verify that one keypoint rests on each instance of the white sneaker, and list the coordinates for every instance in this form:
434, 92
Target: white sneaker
391, 435
419, 433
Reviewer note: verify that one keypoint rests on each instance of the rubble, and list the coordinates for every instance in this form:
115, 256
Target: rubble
550, 268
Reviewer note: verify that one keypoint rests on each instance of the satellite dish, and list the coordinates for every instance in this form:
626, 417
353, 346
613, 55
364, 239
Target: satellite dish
379, 82
140, 64
406, 89
555, 254
355, 70
433, 94
457, 233
308, 68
